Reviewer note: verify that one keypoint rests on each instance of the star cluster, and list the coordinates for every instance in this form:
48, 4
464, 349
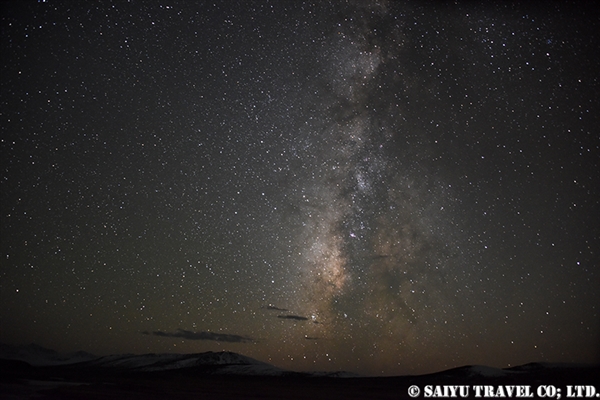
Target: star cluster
381, 187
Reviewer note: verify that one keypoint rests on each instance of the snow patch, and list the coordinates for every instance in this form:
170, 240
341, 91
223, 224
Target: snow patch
231, 363
482, 370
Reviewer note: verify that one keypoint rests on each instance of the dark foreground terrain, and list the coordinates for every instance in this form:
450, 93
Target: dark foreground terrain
20, 380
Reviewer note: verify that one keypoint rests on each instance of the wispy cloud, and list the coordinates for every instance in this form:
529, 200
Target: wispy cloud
270, 307
189, 335
294, 317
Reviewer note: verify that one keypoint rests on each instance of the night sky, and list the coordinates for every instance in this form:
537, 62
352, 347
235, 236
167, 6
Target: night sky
379, 187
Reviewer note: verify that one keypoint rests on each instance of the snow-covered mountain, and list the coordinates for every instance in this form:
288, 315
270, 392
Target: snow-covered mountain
476, 371
224, 362
482, 370
227, 363
41, 356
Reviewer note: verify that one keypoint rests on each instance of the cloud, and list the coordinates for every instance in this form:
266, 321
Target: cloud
270, 307
189, 335
295, 317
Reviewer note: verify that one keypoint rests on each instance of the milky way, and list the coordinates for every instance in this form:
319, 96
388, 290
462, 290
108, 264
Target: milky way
381, 187
372, 260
